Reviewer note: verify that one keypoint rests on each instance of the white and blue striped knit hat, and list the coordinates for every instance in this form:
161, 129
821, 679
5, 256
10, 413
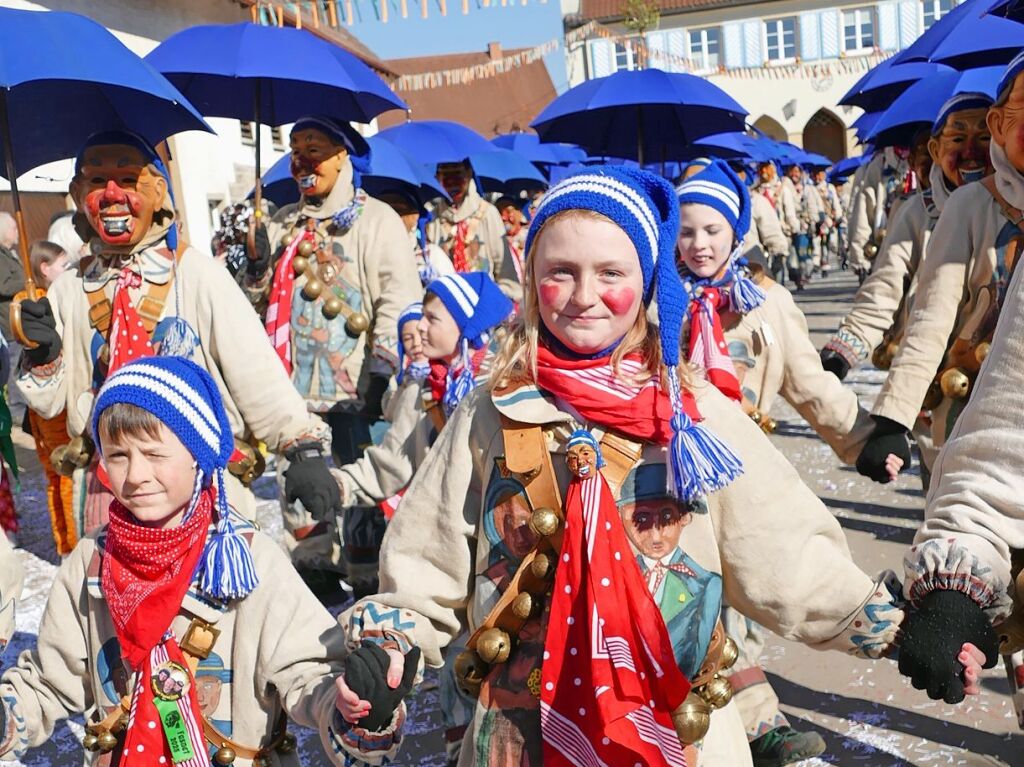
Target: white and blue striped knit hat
185, 398
413, 312
718, 187
958, 103
645, 207
477, 305
1014, 68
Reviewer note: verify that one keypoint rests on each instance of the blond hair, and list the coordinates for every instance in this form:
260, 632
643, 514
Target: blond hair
515, 364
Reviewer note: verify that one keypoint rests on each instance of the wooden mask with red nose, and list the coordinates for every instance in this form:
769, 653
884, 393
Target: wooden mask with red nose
119, 192
317, 161
1006, 122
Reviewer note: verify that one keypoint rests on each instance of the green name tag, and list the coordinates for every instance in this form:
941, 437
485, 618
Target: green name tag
174, 730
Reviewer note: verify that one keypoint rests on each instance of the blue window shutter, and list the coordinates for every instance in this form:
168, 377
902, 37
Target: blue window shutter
602, 58
888, 26
830, 27
810, 40
910, 22
753, 50
732, 44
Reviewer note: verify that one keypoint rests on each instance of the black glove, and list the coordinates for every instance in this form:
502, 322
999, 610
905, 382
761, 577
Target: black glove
309, 480
888, 437
259, 254
932, 636
835, 363
366, 674
375, 396
38, 324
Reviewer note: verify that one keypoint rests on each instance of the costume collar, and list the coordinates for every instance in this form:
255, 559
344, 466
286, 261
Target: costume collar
529, 404
341, 195
154, 265
1009, 180
470, 205
939, 189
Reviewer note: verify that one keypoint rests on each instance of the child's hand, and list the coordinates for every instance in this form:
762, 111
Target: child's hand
374, 683
893, 466
353, 708
973, 660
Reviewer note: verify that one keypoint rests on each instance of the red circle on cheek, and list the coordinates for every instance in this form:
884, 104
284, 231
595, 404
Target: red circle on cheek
549, 294
619, 300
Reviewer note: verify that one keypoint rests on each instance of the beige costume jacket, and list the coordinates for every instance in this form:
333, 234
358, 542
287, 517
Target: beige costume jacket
12, 577
766, 230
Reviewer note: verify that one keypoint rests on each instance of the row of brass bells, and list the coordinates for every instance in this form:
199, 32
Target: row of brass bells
103, 743
767, 424
356, 323
955, 383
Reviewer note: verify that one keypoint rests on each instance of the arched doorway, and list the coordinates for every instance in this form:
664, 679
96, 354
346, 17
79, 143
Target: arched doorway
771, 128
825, 134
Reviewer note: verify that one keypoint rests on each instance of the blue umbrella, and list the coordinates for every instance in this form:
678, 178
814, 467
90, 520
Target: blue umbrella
966, 38
505, 172
843, 169
884, 82
391, 170
733, 145
64, 78
272, 75
529, 146
433, 142
630, 111
863, 124
919, 105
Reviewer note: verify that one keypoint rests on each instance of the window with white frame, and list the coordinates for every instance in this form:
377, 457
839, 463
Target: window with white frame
625, 57
705, 45
858, 31
933, 10
780, 39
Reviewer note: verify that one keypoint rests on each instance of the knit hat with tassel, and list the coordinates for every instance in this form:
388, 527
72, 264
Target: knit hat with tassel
185, 398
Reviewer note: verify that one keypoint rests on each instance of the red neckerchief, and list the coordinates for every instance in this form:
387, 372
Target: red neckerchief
610, 681
278, 322
708, 348
590, 386
437, 379
459, 247
128, 338
145, 575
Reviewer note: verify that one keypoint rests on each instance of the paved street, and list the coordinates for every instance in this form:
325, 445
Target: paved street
866, 712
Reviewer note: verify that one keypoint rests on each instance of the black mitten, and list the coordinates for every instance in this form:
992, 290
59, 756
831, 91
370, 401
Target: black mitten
366, 674
375, 395
39, 325
259, 254
835, 363
932, 637
308, 479
888, 437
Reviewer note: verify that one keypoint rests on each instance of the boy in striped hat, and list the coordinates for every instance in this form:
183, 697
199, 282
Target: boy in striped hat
174, 573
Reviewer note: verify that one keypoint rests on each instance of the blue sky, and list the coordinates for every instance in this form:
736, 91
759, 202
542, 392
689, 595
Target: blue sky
514, 26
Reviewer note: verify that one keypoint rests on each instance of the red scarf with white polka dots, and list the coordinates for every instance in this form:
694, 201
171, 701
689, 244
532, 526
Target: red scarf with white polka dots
610, 680
129, 339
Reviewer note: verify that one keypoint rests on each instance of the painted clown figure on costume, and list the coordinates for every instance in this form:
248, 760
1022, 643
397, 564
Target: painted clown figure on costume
142, 291
558, 512
330, 278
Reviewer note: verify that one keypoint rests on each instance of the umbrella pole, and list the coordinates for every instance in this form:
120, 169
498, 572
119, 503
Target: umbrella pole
257, 195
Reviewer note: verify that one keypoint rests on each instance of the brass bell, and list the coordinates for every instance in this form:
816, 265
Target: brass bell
955, 383
288, 239
882, 356
287, 744
981, 351
730, 653
544, 522
357, 323
306, 249
541, 566
717, 693
768, 424
755, 416
870, 251
692, 719
522, 606
493, 646
225, 755
312, 289
332, 307
470, 671
57, 457
90, 742
299, 265
106, 742
122, 723
80, 451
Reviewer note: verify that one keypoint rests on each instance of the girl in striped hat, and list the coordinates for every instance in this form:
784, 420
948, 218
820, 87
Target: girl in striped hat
175, 576
512, 529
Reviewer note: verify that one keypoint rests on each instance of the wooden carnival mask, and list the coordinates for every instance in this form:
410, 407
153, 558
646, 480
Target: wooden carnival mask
316, 161
119, 192
455, 177
1006, 121
961, 148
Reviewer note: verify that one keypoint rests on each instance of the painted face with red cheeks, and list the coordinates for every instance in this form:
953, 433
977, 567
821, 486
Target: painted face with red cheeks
705, 240
961, 149
1007, 124
316, 162
589, 283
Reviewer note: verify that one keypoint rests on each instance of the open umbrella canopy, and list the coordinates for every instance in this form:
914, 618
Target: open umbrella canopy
506, 172
391, 170
843, 169
734, 145
884, 82
64, 77
222, 69
966, 38
642, 114
530, 146
437, 141
918, 106
863, 124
